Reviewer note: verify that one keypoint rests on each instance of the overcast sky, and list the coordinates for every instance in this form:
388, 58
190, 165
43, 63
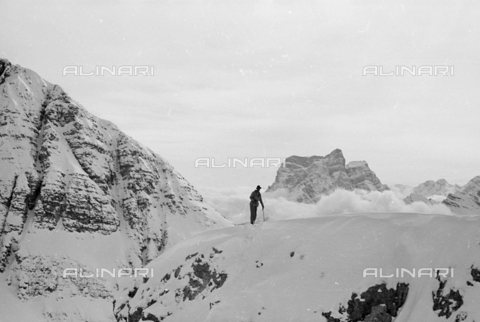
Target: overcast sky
245, 79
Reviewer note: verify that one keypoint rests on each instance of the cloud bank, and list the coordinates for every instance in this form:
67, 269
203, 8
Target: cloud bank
234, 204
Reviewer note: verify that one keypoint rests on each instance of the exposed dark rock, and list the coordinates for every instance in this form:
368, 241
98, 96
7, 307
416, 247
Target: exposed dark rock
165, 278
202, 277
393, 299
198, 280
5, 67
475, 272
191, 256
177, 271
378, 314
133, 292
14, 219
329, 317
462, 316
377, 302
138, 316
448, 303
213, 303
153, 318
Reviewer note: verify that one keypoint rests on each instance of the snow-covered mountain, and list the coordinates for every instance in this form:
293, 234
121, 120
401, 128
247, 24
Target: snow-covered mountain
461, 200
360, 267
308, 178
76, 192
431, 192
472, 187
467, 200
437, 190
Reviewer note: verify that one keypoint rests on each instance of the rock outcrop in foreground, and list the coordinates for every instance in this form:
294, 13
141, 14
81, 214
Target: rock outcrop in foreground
77, 192
308, 178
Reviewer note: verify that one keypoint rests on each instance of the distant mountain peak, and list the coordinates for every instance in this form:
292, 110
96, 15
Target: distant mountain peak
439, 188
306, 179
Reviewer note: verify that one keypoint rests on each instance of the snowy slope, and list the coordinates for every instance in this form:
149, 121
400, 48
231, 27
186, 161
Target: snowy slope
76, 192
313, 270
472, 187
467, 200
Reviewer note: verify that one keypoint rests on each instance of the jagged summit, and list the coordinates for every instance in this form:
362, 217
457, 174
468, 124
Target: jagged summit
440, 187
308, 178
70, 178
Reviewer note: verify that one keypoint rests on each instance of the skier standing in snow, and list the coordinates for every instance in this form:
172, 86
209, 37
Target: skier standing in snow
255, 197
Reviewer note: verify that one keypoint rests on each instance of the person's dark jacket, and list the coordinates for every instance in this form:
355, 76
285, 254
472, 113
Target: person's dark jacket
255, 197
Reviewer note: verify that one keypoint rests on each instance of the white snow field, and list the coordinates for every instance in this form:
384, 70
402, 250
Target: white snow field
295, 270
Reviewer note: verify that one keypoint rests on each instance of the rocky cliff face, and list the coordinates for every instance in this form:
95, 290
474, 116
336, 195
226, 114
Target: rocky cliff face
363, 177
70, 177
467, 200
308, 178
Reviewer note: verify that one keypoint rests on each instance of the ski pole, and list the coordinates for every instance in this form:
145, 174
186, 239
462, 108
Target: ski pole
263, 210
